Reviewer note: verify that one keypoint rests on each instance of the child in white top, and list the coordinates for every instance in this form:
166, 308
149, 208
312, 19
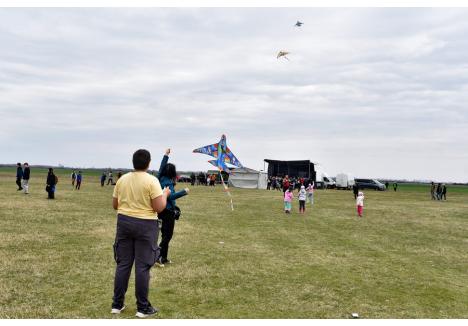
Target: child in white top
310, 193
302, 199
360, 203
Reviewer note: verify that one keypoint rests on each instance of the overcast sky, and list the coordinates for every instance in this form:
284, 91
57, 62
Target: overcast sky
374, 92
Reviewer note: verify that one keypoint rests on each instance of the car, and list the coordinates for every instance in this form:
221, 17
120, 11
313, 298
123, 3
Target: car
370, 184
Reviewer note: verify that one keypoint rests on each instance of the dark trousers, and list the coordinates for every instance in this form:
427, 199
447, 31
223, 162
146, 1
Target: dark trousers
135, 241
51, 193
18, 183
302, 205
167, 230
78, 185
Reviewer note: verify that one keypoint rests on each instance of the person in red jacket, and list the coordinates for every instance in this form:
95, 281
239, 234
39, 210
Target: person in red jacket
285, 183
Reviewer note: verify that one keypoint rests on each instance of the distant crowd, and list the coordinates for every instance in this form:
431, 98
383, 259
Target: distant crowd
284, 183
438, 192
203, 179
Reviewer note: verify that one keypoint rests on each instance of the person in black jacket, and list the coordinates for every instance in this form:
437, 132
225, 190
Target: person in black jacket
444, 192
50, 184
26, 175
355, 190
19, 176
439, 191
103, 178
192, 179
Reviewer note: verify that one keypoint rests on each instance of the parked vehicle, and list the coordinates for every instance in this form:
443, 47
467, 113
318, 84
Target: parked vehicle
323, 180
370, 184
344, 181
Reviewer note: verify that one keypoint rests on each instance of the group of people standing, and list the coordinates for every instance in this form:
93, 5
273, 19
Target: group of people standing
438, 192
204, 179
110, 178
77, 178
304, 195
283, 183
22, 177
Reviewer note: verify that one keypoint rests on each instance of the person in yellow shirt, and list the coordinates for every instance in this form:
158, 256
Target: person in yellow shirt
137, 198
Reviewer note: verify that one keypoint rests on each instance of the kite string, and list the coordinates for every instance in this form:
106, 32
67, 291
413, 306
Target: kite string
226, 189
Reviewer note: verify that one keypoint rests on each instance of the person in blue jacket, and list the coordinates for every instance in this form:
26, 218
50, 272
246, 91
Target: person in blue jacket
167, 178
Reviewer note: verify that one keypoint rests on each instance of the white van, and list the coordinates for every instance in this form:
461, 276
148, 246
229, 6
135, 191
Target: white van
344, 181
323, 180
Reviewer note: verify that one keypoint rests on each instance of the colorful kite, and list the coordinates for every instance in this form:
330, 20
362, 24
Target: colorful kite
223, 156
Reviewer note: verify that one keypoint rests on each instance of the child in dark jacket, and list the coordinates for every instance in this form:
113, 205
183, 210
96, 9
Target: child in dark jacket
167, 178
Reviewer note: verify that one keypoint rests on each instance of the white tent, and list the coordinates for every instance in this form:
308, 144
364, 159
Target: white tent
248, 178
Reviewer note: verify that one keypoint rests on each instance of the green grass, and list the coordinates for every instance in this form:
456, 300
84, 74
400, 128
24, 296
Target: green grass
407, 258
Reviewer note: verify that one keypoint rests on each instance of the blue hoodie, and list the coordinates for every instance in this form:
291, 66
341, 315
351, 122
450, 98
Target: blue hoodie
166, 182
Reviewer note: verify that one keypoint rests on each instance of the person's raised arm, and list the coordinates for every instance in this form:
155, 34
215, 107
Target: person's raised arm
164, 161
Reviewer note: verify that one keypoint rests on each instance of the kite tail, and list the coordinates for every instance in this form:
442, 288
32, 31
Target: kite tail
226, 189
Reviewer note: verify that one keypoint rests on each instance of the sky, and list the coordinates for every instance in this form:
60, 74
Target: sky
375, 92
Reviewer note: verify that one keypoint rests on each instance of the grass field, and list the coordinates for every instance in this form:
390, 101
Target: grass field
407, 258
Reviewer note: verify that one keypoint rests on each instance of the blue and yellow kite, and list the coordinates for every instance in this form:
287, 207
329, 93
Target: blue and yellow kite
221, 153
224, 157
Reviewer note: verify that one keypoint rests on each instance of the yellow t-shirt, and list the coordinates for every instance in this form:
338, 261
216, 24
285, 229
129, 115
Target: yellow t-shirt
134, 192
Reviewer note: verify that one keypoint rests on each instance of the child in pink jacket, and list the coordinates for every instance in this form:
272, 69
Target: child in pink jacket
288, 196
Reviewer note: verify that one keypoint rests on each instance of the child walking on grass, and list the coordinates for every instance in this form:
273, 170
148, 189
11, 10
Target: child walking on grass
288, 196
302, 199
310, 193
360, 203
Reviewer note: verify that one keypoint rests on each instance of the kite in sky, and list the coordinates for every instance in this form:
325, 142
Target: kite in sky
282, 54
298, 24
223, 156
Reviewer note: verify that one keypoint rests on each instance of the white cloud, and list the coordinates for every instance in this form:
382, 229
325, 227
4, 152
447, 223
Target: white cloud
92, 85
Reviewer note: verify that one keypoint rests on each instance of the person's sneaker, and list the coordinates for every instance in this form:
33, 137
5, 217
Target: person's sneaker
146, 312
159, 262
117, 310
167, 261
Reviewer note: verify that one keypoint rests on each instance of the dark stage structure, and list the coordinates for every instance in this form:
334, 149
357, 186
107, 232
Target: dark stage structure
298, 169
